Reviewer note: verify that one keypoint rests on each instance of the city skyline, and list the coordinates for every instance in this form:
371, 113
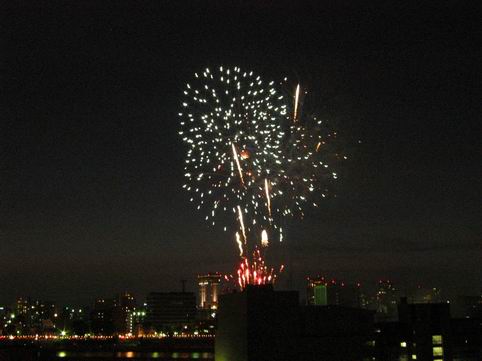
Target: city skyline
91, 164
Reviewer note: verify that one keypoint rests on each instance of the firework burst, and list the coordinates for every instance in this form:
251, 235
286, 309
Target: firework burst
253, 153
230, 122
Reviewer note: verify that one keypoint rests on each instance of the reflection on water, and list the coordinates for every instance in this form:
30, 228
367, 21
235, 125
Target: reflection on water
72, 355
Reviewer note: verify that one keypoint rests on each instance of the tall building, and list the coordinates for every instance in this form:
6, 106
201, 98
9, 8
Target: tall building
170, 310
386, 301
124, 305
321, 292
101, 316
316, 293
265, 325
136, 321
208, 290
429, 330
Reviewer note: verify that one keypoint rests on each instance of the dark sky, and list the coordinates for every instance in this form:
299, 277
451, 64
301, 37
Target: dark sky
91, 163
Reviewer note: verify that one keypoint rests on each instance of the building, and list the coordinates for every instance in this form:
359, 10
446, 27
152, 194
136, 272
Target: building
34, 316
124, 304
101, 317
137, 321
316, 292
266, 325
321, 292
428, 328
167, 311
468, 306
426, 331
257, 324
466, 337
386, 301
426, 295
73, 320
209, 286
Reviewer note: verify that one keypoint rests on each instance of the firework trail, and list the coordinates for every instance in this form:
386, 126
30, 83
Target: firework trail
297, 99
241, 223
268, 197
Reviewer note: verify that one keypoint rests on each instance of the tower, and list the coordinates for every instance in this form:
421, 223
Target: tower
208, 290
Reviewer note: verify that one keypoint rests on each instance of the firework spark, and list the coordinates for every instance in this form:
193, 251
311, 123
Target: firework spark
264, 238
268, 197
241, 223
240, 244
297, 99
254, 271
235, 154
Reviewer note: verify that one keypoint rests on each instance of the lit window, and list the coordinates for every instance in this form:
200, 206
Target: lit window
438, 351
437, 339
403, 344
414, 357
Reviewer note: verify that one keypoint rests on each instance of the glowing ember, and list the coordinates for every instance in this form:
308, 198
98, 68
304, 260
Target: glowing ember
254, 271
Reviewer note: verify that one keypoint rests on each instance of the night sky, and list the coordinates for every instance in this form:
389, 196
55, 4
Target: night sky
91, 162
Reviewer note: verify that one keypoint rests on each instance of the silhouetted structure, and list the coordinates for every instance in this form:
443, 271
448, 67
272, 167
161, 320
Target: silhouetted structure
168, 310
468, 306
261, 324
428, 326
321, 292
466, 339
257, 324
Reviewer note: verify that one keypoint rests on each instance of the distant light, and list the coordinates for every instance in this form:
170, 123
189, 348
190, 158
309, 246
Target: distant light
403, 344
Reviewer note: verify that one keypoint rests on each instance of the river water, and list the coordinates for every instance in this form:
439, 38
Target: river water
129, 355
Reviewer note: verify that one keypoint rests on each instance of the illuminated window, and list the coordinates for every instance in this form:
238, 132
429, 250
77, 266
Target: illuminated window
403, 344
438, 351
414, 357
437, 339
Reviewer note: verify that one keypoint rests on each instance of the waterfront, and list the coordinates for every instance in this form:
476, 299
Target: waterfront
129, 355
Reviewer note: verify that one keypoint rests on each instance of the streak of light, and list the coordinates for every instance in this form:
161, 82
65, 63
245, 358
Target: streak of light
297, 98
241, 221
240, 244
235, 154
268, 197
